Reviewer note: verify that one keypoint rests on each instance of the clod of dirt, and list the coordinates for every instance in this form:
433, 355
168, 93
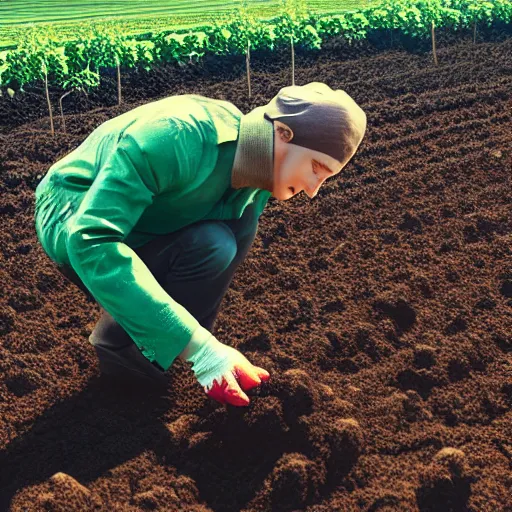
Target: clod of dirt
22, 299
48, 281
261, 342
335, 306
267, 417
458, 368
186, 489
452, 458
401, 312
415, 408
317, 264
503, 340
62, 481
411, 223
485, 303
346, 440
342, 408
7, 319
299, 394
447, 213
391, 502
403, 407
445, 483
458, 324
422, 284
295, 481
156, 498
182, 428
198, 443
421, 380
424, 356
326, 392
506, 389
506, 288
68, 494
23, 383
310, 436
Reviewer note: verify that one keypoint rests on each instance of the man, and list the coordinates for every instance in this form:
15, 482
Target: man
151, 215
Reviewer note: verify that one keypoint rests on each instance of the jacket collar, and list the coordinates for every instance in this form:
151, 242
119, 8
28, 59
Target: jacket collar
254, 158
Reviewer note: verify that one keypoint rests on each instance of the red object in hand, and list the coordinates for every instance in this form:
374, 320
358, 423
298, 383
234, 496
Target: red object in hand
232, 386
223, 371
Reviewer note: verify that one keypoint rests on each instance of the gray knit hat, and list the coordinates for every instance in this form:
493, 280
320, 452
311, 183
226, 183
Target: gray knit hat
321, 119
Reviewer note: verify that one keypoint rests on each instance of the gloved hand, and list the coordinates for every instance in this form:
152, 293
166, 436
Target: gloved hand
223, 372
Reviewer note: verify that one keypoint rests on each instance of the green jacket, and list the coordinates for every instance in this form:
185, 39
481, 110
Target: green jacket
147, 172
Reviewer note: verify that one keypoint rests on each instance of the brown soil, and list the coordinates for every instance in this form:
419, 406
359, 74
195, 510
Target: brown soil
382, 309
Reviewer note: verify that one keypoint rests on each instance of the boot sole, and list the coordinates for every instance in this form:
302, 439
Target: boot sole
128, 363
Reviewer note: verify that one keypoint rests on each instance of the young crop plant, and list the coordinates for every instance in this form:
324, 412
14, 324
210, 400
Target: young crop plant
238, 33
193, 48
100, 47
143, 54
296, 24
82, 81
171, 47
352, 26
167, 48
245, 22
478, 12
221, 36
229, 35
37, 57
25, 64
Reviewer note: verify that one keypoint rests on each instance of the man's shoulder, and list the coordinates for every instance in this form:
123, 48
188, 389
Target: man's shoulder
212, 120
221, 116
213, 103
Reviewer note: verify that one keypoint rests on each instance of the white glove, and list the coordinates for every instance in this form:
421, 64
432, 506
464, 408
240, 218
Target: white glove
222, 371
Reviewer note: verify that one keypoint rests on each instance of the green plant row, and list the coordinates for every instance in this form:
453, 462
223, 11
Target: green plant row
138, 22
77, 64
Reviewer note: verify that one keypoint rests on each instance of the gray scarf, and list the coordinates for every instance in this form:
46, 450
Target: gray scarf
254, 158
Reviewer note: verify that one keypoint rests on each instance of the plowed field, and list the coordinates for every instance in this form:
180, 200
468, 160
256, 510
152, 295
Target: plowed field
382, 309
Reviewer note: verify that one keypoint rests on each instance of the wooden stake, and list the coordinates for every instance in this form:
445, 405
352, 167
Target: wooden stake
62, 112
293, 61
248, 67
434, 43
474, 33
118, 84
48, 97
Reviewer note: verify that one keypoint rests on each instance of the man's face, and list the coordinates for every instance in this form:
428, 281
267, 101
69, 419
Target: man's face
298, 169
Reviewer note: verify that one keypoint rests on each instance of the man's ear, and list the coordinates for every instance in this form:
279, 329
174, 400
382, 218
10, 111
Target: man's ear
284, 131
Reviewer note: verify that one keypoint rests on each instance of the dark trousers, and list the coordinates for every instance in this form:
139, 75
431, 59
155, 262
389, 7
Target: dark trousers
195, 266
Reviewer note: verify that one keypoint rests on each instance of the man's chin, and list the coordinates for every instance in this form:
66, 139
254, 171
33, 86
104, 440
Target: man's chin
278, 197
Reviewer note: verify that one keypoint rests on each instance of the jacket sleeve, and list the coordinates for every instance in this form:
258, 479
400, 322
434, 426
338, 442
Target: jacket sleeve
118, 279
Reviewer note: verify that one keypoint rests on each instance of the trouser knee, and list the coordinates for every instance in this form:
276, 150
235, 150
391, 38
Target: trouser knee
206, 251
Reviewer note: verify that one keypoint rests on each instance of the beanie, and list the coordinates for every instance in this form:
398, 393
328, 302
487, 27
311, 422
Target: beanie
321, 119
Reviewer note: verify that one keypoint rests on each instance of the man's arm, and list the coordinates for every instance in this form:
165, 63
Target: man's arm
114, 274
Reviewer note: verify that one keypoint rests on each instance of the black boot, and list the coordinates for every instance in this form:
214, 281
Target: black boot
118, 354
